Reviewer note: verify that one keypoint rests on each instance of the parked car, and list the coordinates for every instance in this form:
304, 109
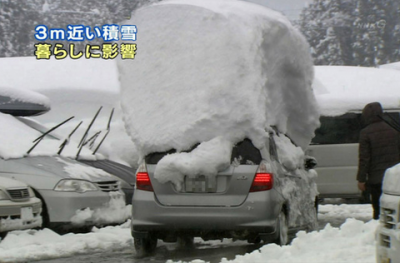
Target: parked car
126, 174
73, 194
263, 198
335, 146
19, 208
387, 234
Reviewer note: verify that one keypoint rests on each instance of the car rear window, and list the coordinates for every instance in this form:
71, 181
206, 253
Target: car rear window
246, 153
154, 158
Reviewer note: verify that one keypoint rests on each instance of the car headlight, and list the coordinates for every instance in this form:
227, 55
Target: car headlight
31, 193
3, 196
71, 185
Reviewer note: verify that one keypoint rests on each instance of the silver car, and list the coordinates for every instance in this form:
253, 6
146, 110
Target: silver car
19, 208
260, 197
73, 194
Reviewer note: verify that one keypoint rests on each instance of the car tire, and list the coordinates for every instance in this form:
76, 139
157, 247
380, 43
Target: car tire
283, 230
3, 235
144, 246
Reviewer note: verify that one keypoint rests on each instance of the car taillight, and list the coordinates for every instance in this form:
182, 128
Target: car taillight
263, 180
143, 179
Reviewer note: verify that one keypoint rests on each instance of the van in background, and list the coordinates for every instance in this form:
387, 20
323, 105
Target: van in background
335, 146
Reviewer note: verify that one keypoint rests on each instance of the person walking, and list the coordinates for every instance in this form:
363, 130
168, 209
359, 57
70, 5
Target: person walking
379, 149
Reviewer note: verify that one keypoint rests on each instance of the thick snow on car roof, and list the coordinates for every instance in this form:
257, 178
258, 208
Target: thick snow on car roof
231, 70
351, 88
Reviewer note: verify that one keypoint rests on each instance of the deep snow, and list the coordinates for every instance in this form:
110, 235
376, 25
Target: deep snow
352, 242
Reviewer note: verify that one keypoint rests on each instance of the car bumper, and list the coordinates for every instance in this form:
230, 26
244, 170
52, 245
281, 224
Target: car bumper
388, 245
20, 215
255, 215
85, 209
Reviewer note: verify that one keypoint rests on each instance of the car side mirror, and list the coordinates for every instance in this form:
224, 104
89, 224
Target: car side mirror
310, 162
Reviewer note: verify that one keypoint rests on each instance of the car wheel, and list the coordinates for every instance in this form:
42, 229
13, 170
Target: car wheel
283, 230
144, 246
3, 235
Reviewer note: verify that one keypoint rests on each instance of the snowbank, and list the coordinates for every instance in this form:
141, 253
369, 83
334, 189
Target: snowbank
395, 65
351, 88
352, 242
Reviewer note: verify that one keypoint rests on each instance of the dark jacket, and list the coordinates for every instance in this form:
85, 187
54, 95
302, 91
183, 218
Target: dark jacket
379, 146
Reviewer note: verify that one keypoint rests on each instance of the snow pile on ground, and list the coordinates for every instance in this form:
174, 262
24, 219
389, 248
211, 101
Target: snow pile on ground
28, 245
115, 210
231, 70
351, 88
24, 95
353, 242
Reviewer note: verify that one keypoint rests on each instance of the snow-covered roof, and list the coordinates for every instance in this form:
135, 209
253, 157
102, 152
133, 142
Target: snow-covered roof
340, 89
39, 75
395, 65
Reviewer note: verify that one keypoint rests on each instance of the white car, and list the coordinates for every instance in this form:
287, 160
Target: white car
19, 208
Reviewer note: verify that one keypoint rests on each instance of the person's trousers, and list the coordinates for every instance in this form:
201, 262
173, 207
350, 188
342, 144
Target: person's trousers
376, 192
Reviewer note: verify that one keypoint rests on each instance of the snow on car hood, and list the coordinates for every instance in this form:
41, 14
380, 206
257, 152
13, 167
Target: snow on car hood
59, 167
9, 183
231, 69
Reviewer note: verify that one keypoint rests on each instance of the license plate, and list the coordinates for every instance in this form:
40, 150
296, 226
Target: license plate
200, 184
26, 213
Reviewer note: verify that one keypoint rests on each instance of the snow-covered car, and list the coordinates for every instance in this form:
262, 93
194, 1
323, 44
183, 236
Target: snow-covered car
19, 207
387, 234
264, 193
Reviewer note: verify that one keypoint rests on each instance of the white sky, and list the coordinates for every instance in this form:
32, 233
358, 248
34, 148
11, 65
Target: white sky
291, 8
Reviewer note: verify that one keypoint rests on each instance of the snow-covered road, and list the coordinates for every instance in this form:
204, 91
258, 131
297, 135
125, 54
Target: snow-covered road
346, 235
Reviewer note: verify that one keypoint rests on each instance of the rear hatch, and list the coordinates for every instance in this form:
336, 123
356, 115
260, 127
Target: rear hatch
227, 188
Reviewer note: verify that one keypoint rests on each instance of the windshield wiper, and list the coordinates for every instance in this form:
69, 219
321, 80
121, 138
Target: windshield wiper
40, 138
66, 141
108, 130
83, 141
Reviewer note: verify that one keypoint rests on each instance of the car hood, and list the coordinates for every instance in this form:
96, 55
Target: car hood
59, 167
10, 183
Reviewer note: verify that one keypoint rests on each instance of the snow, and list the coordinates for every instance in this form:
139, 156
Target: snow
232, 82
391, 182
113, 211
17, 139
395, 65
206, 159
24, 95
94, 82
84, 172
352, 242
345, 88
8, 224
